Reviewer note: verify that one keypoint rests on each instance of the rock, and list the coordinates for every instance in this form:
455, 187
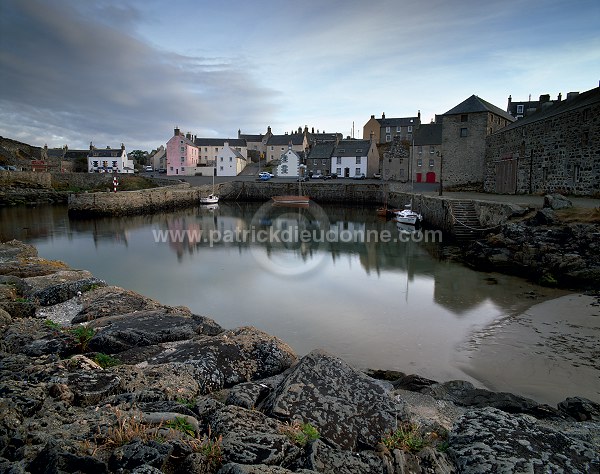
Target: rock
21, 260
53, 459
61, 292
234, 356
112, 300
234, 468
324, 458
247, 395
465, 394
19, 309
581, 409
137, 454
557, 201
165, 418
347, 407
544, 216
143, 328
91, 387
249, 437
489, 440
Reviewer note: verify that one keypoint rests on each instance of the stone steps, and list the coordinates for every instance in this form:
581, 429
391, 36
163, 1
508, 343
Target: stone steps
465, 221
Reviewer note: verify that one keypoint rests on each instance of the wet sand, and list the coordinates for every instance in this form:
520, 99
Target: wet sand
548, 353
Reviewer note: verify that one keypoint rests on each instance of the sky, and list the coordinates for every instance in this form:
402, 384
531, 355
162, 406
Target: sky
129, 71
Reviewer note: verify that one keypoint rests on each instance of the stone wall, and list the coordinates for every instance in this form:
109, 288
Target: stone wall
558, 153
135, 202
10, 179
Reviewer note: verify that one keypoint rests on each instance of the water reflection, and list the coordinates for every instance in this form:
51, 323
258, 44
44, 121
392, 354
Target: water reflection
379, 304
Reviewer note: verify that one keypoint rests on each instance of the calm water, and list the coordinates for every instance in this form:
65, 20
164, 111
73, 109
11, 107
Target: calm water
392, 305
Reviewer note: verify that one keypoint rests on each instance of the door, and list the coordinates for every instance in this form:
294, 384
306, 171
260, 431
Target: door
419, 177
506, 177
346, 172
430, 177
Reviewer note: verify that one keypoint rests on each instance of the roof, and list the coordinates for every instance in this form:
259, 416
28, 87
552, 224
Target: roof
428, 134
74, 154
395, 122
352, 148
295, 138
55, 152
321, 150
324, 137
579, 101
240, 142
251, 138
476, 104
237, 154
106, 152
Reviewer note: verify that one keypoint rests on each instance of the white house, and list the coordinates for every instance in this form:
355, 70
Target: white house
354, 157
289, 164
230, 161
109, 160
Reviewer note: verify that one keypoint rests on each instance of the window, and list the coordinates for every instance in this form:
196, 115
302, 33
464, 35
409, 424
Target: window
431, 162
585, 115
402, 172
463, 132
420, 149
338, 170
221, 160
431, 149
182, 149
464, 118
359, 150
284, 158
358, 160
357, 171
271, 147
220, 168
230, 159
585, 138
339, 160
388, 138
576, 174
324, 162
387, 129
409, 129
95, 163
182, 159
205, 148
519, 109
216, 150
419, 162
284, 169
398, 128
114, 164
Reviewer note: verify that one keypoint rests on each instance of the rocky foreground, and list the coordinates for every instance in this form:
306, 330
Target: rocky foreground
95, 378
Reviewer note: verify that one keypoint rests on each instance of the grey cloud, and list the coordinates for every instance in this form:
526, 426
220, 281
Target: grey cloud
72, 73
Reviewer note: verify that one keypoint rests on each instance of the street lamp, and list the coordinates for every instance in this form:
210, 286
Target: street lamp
441, 171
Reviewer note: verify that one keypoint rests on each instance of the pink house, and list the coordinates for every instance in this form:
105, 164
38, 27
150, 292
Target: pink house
182, 155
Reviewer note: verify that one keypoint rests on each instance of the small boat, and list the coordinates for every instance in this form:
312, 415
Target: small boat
212, 198
408, 216
293, 200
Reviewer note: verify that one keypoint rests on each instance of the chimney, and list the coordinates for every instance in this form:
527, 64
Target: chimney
188, 135
383, 115
570, 95
509, 100
544, 98
372, 116
559, 96
239, 133
123, 146
313, 130
269, 129
419, 115
176, 131
91, 146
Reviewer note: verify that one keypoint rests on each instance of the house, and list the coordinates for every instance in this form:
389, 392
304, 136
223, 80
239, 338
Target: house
278, 144
553, 150
523, 109
256, 144
212, 148
289, 164
385, 129
230, 161
183, 155
109, 160
464, 132
318, 160
354, 157
158, 159
426, 153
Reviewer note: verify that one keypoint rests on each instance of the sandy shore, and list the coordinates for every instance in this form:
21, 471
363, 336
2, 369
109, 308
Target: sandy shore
548, 353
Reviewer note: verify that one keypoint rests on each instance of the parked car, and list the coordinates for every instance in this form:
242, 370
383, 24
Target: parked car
11, 168
264, 177
317, 176
377, 176
326, 176
148, 168
3, 168
265, 173
333, 175
302, 179
359, 176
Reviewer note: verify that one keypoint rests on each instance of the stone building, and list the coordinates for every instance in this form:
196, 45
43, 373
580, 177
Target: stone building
464, 132
521, 109
554, 150
426, 153
383, 130
395, 163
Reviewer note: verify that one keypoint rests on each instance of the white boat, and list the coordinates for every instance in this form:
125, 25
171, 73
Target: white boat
408, 216
212, 198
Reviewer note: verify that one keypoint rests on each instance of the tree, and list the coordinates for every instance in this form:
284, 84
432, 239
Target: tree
138, 156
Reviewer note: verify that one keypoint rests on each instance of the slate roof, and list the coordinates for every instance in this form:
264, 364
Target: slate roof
476, 104
251, 138
428, 134
324, 137
105, 152
295, 138
237, 154
321, 151
239, 142
352, 148
579, 101
75, 154
395, 122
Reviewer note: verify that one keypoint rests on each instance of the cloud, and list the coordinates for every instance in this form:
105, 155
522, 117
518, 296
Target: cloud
73, 74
